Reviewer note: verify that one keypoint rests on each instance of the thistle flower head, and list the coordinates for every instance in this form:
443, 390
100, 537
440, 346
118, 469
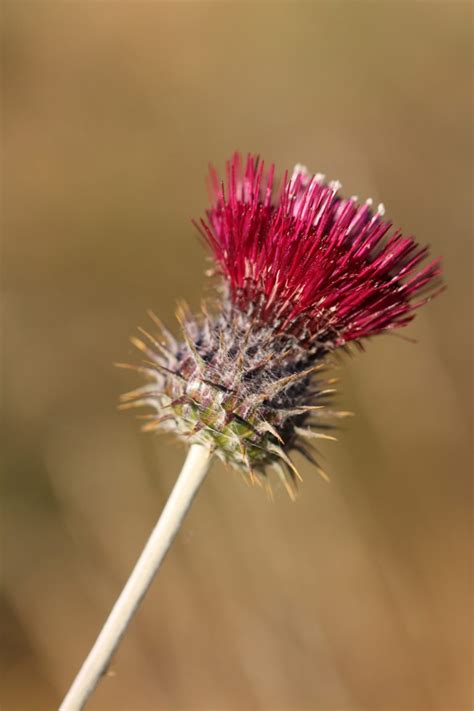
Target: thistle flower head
303, 272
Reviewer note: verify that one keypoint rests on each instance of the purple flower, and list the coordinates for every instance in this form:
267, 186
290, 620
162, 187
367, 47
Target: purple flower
308, 262
303, 272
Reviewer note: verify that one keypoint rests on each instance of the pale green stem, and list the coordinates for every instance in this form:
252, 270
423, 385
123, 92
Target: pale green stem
190, 479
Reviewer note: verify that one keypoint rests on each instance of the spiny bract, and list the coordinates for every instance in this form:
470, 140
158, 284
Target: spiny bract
302, 275
247, 393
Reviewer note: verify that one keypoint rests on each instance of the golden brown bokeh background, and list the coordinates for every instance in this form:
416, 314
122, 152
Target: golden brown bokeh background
358, 596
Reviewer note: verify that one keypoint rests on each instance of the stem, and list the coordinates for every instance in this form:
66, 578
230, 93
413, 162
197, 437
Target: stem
190, 479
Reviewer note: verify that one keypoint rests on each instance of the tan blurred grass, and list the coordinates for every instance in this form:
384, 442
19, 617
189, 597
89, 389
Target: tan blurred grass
358, 596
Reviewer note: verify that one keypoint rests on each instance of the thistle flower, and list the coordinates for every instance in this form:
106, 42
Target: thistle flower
303, 272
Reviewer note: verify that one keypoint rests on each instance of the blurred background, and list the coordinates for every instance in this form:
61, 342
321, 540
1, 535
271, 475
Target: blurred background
356, 597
